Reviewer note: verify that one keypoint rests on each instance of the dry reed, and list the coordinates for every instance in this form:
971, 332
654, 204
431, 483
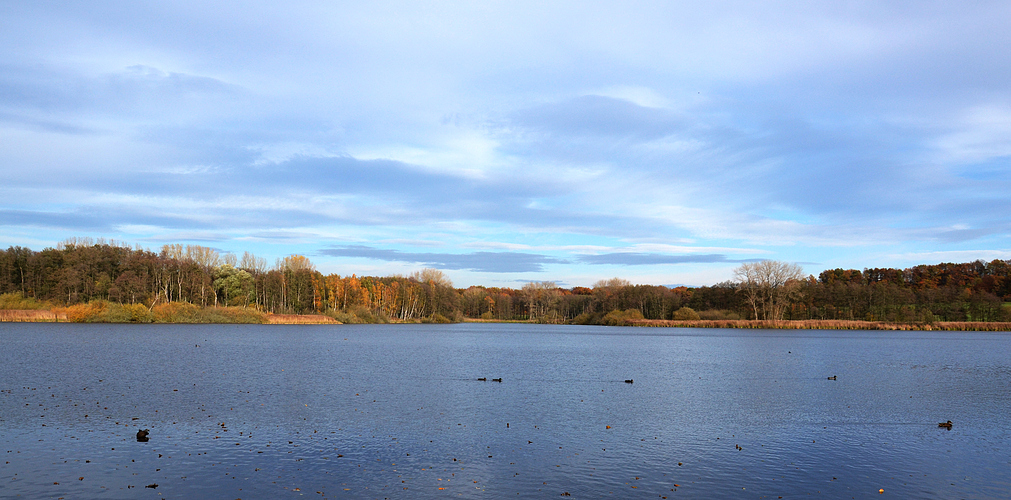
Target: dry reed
815, 324
300, 319
30, 316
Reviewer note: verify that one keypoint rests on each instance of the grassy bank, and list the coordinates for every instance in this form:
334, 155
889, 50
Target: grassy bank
111, 312
100, 311
183, 315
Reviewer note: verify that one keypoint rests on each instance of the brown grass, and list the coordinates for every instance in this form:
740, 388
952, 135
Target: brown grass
30, 315
300, 319
482, 320
814, 324
975, 326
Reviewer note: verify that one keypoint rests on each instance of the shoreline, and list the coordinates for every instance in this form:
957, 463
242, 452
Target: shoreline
48, 316
826, 324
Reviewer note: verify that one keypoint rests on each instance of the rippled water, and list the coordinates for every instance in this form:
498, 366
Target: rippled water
396, 411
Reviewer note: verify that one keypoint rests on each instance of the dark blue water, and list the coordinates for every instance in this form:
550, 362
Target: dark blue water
396, 411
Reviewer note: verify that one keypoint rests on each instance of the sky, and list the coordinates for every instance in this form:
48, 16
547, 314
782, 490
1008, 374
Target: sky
508, 142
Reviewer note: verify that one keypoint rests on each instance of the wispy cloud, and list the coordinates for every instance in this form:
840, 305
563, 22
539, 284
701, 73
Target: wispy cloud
649, 259
491, 262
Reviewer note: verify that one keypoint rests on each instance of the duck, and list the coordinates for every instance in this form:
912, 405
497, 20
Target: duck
496, 380
833, 377
946, 425
142, 435
483, 379
629, 381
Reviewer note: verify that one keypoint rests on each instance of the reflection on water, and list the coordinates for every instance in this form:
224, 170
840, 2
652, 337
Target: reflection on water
380, 411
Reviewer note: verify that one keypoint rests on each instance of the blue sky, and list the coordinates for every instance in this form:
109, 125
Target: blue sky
507, 142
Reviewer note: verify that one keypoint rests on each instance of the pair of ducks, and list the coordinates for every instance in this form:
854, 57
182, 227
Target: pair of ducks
485, 379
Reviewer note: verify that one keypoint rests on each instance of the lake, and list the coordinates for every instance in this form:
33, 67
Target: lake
397, 411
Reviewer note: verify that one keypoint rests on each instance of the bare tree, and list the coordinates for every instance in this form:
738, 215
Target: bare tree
294, 263
250, 262
612, 283
769, 286
435, 276
542, 298
205, 257
173, 251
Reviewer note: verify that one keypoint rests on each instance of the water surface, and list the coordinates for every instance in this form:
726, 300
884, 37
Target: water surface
397, 411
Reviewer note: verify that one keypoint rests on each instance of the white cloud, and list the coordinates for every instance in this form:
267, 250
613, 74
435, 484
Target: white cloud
640, 96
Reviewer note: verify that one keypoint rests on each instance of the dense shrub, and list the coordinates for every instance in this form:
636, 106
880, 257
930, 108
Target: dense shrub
183, 312
718, 314
686, 314
588, 318
233, 315
436, 318
83, 313
620, 318
176, 312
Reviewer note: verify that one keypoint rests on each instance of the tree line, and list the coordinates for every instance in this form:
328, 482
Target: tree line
81, 271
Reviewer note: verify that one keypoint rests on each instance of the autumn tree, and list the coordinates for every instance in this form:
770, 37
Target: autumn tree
606, 292
438, 293
542, 298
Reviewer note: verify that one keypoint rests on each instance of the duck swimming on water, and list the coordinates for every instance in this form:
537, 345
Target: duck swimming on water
142, 435
946, 425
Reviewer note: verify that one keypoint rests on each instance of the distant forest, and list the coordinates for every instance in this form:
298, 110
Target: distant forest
81, 271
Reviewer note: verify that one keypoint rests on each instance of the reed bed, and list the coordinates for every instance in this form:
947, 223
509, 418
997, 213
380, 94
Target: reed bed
974, 326
814, 324
30, 316
300, 319
482, 320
